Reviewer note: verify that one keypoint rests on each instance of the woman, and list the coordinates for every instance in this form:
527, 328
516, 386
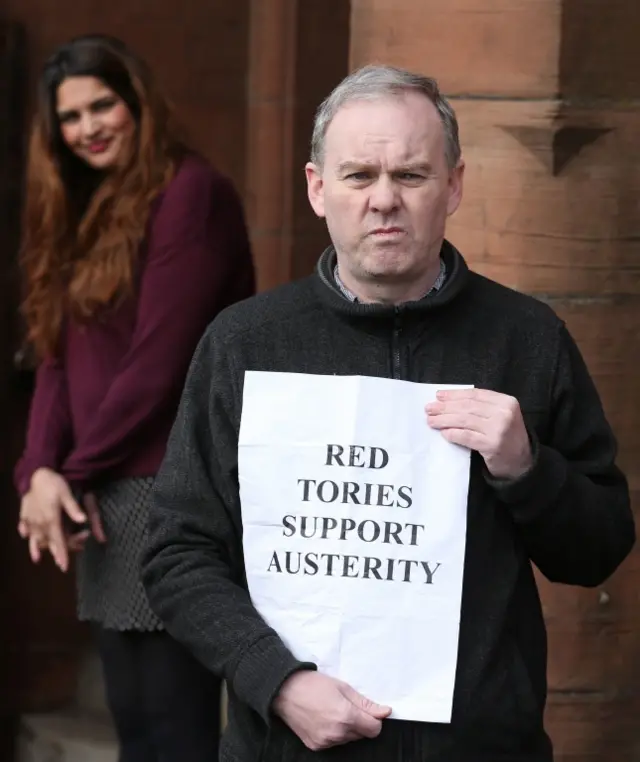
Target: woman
132, 244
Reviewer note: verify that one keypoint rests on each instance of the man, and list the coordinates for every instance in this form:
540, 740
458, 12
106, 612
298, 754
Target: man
393, 298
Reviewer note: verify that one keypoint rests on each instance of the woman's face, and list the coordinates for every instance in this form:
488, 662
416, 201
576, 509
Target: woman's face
95, 122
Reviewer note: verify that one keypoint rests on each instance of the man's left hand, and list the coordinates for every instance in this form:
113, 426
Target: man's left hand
488, 422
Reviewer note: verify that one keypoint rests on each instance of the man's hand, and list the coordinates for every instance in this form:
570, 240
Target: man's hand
41, 516
488, 422
324, 712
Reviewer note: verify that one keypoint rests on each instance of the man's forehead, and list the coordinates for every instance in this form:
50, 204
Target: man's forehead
374, 148
394, 125
364, 157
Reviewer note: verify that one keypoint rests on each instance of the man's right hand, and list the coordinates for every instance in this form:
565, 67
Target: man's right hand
324, 712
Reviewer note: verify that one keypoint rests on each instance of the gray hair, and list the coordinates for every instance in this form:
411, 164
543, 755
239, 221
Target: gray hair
374, 81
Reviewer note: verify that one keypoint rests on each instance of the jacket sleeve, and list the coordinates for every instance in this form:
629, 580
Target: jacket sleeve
49, 430
197, 245
572, 508
193, 567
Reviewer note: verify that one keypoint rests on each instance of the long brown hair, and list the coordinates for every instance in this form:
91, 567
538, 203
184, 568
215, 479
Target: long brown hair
83, 229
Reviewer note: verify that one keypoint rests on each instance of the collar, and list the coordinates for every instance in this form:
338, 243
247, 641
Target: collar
329, 292
439, 282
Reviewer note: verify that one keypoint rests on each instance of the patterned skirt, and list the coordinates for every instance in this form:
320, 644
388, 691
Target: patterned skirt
108, 576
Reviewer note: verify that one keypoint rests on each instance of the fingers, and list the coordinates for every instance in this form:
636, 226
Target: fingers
41, 522
71, 507
76, 542
477, 395
462, 420
362, 702
324, 712
379, 711
475, 408
58, 546
466, 429
46, 537
34, 549
474, 418
367, 716
95, 522
472, 440
363, 725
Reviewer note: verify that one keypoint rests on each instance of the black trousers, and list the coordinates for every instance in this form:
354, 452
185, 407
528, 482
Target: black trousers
164, 703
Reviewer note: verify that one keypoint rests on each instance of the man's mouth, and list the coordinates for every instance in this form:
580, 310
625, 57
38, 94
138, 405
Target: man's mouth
390, 231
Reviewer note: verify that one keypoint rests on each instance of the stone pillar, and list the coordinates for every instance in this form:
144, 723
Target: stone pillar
269, 139
298, 51
547, 96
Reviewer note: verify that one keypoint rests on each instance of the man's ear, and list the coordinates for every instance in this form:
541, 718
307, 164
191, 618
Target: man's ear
456, 179
315, 187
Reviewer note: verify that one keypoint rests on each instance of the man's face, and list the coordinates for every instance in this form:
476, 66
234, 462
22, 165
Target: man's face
385, 188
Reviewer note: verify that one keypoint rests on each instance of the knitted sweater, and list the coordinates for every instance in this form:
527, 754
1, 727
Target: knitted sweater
103, 409
569, 515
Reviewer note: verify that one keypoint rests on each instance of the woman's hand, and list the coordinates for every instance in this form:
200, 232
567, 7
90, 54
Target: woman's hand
76, 542
41, 513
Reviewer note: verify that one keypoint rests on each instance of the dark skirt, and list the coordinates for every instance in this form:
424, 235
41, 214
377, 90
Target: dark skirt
108, 576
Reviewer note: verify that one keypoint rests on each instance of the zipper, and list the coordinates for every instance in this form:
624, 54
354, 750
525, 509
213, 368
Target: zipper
396, 364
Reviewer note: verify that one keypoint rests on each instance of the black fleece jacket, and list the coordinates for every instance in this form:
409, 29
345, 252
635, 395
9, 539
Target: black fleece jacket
569, 515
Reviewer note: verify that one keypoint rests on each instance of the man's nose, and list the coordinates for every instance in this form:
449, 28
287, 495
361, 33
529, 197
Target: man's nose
384, 197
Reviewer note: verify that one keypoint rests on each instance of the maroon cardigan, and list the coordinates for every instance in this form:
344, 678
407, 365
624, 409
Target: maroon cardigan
104, 410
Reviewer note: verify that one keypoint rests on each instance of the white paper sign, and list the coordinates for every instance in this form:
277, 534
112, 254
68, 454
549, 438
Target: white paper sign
354, 513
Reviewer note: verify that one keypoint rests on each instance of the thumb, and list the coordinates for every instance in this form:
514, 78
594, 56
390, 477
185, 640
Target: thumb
71, 507
379, 711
